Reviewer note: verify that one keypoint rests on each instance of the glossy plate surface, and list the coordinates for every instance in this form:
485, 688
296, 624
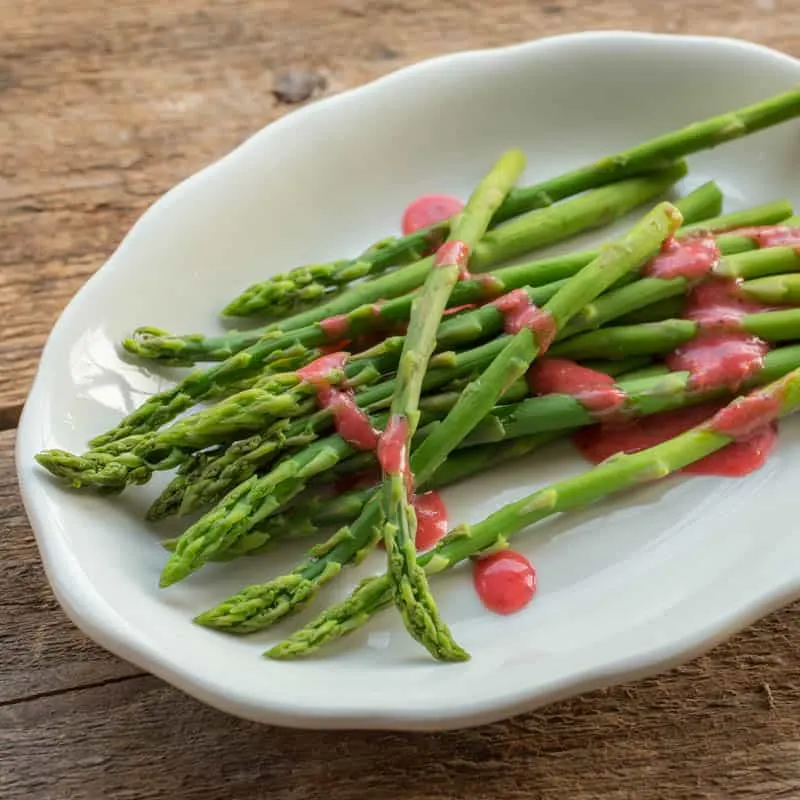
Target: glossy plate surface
628, 589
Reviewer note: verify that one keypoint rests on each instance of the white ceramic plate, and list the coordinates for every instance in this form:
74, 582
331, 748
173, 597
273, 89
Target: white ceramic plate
631, 588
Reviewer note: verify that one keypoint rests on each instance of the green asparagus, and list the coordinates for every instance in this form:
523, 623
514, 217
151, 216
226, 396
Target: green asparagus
411, 594
621, 341
269, 602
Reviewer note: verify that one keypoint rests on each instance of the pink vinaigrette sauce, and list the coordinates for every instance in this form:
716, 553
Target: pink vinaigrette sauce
595, 391
505, 581
519, 312
691, 257
431, 519
428, 210
351, 423
720, 355
771, 235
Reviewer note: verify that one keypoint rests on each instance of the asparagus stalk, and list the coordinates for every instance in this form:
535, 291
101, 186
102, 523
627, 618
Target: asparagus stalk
619, 473
357, 312
654, 312
621, 341
768, 214
776, 289
411, 594
287, 293
649, 155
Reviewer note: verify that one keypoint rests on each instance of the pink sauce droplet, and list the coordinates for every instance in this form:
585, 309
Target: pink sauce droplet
336, 327
505, 581
747, 415
718, 303
318, 372
716, 359
599, 442
393, 448
454, 254
431, 519
691, 258
428, 210
519, 312
771, 235
595, 391
351, 422
720, 355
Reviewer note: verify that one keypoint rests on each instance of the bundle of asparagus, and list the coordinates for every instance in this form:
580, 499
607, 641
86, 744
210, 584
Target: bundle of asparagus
422, 362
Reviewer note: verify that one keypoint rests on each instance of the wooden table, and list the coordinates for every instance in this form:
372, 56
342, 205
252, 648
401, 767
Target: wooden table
104, 106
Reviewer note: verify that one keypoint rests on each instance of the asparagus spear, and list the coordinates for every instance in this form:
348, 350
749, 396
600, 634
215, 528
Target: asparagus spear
776, 289
648, 155
220, 528
412, 597
619, 473
290, 292
768, 214
621, 341
356, 312
654, 312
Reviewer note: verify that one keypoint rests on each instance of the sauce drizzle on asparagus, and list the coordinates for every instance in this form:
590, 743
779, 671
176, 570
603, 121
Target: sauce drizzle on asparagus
692, 257
595, 391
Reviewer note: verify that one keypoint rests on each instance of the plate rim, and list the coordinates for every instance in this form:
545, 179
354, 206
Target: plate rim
89, 612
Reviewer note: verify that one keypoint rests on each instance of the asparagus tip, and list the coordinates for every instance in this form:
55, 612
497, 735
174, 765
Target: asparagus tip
174, 570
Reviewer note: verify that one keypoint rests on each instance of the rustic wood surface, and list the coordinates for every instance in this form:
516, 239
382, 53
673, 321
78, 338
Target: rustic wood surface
103, 106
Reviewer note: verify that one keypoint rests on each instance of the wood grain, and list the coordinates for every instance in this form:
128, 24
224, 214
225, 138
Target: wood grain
41, 651
102, 108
